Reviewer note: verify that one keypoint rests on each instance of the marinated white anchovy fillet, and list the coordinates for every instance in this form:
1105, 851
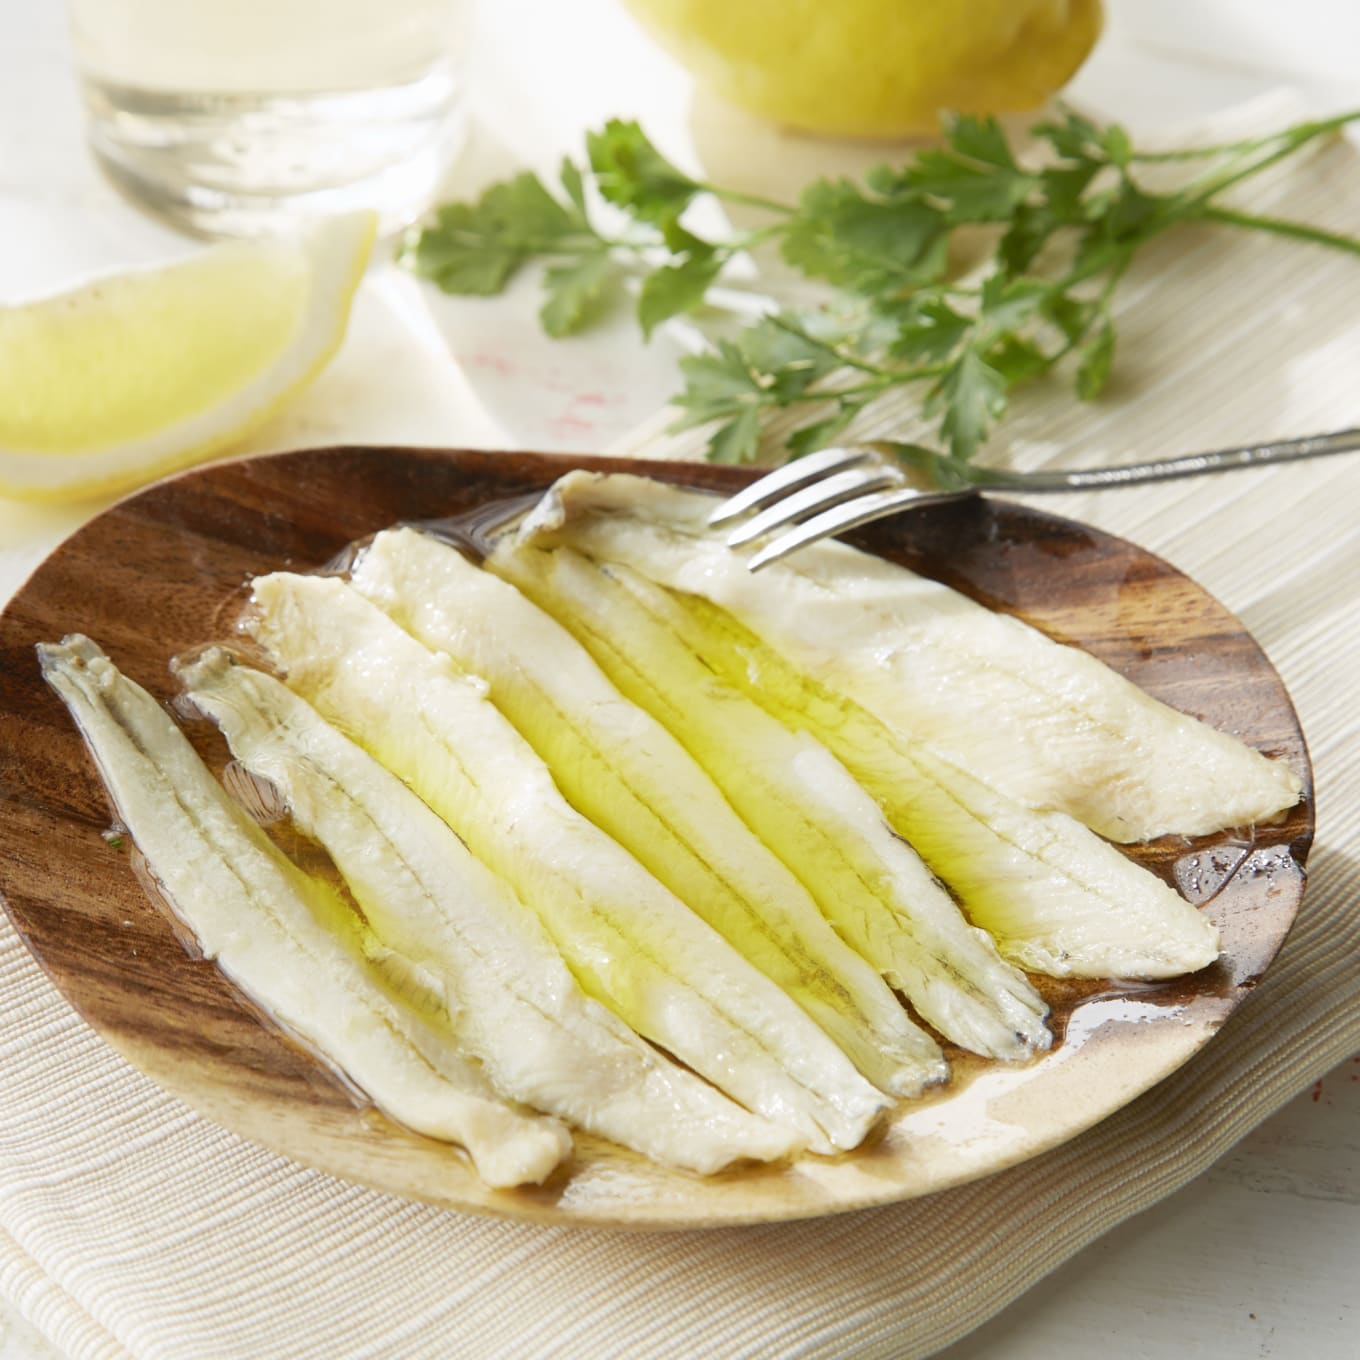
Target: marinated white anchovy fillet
624, 771
800, 799
286, 939
517, 1008
1054, 896
1057, 898
1046, 723
631, 943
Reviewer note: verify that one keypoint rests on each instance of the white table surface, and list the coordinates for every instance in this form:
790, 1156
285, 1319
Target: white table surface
1260, 1256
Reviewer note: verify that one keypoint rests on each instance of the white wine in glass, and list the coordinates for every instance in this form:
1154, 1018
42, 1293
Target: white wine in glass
235, 117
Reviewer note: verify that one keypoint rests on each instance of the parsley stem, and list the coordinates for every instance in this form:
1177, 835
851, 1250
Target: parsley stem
886, 378
750, 239
1211, 185
1199, 153
1247, 144
827, 347
747, 200
1101, 310
1281, 226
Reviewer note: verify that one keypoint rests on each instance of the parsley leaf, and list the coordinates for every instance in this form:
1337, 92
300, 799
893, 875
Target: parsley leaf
1017, 358
1071, 315
475, 248
866, 245
718, 384
739, 440
1074, 138
1009, 303
1064, 230
969, 397
980, 139
1096, 359
574, 185
633, 174
927, 328
769, 364
974, 177
574, 290
821, 434
676, 288
786, 355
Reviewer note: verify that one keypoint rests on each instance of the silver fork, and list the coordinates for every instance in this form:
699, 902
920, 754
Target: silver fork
837, 489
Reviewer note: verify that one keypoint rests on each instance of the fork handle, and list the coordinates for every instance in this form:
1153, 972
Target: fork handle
1162, 470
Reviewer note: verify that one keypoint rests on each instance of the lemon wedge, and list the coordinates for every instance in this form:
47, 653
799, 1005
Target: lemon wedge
137, 374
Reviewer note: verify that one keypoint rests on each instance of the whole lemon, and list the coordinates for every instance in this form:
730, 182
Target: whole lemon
876, 68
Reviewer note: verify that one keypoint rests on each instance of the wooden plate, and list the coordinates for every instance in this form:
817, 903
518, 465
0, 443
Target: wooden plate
163, 571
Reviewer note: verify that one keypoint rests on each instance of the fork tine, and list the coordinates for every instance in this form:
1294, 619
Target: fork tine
819, 495
787, 478
850, 515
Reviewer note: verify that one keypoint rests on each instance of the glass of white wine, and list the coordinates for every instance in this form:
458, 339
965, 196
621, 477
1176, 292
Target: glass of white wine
238, 117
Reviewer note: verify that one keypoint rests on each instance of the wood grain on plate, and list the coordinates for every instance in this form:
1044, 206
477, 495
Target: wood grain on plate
164, 571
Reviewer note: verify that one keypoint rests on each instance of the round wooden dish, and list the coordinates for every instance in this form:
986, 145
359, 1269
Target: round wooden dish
163, 571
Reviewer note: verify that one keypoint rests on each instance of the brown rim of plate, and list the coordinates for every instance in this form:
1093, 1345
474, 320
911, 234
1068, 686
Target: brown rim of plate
164, 570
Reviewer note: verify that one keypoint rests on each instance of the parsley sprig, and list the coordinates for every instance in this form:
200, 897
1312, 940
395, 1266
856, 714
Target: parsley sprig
1063, 231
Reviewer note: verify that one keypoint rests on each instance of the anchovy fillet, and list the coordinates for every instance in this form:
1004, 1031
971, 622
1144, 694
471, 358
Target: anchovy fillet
621, 768
519, 1011
630, 942
1045, 723
800, 799
284, 938
1056, 898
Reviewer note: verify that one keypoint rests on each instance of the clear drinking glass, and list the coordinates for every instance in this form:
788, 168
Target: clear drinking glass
235, 117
